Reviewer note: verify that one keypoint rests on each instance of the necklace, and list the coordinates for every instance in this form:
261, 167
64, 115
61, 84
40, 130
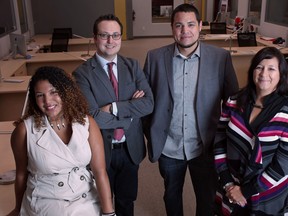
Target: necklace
258, 106
58, 125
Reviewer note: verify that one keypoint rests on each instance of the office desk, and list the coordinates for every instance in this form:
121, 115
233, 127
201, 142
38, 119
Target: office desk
13, 67
220, 40
7, 163
75, 44
12, 97
223, 40
68, 61
6, 127
205, 29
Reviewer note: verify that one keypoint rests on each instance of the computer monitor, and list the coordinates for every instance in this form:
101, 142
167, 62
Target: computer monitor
246, 39
18, 45
217, 28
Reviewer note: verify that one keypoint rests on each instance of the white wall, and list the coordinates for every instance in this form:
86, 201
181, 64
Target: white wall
143, 26
243, 8
209, 10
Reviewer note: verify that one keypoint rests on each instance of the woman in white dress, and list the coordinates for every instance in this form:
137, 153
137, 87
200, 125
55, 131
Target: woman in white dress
59, 153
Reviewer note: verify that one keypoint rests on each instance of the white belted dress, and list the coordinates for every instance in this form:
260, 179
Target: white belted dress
59, 182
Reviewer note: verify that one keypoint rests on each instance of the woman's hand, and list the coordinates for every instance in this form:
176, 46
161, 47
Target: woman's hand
235, 195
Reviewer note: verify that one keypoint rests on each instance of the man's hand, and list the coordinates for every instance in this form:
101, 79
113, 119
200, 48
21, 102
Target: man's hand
138, 94
106, 108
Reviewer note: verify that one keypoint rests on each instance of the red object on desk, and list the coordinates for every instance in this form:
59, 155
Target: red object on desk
237, 20
267, 38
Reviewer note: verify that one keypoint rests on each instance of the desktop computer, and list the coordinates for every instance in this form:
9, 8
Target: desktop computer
18, 45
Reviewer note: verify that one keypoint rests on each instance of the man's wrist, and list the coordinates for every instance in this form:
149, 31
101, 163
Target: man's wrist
111, 108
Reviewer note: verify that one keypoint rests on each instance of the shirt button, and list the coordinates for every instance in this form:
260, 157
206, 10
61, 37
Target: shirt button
60, 184
84, 195
82, 178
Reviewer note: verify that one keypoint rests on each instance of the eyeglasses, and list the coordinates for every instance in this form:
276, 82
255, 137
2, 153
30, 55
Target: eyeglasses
105, 36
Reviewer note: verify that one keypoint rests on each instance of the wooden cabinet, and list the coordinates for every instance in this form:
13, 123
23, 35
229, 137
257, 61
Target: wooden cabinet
21, 71
12, 97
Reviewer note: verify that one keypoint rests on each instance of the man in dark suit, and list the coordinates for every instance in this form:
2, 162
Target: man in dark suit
189, 79
117, 107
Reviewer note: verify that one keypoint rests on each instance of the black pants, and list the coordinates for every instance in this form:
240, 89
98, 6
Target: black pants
203, 176
123, 176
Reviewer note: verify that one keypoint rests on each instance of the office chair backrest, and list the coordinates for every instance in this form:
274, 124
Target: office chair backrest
59, 42
218, 28
64, 30
246, 39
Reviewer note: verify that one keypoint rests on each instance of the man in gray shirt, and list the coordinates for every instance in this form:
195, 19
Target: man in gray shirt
189, 80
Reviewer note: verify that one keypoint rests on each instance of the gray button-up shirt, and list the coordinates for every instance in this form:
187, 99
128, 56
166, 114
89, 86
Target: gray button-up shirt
183, 140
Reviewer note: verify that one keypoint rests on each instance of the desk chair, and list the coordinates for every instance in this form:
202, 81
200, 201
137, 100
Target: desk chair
246, 39
64, 30
59, 42
218, 28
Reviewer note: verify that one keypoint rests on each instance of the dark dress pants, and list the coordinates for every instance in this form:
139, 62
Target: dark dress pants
204, 179
123, 176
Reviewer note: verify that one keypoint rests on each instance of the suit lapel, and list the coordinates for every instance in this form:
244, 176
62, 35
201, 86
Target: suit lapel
101, 75
123, 77
204, 69
168, 59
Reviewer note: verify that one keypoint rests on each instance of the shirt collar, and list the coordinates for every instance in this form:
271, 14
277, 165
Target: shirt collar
196, 53
103, 62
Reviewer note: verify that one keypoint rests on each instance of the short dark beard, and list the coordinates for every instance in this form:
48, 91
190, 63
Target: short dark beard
187, 46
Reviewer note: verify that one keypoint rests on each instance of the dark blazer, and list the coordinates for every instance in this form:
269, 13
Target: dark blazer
216, 82
98, 90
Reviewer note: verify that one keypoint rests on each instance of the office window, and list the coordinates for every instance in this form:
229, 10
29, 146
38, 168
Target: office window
7, 17
277, 12
254, 12
161, 11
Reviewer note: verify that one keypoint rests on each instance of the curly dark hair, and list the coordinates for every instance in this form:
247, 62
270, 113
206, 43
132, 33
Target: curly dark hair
245, 95
75, 107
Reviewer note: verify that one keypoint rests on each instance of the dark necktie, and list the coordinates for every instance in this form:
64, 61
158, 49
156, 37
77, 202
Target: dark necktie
118, 133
